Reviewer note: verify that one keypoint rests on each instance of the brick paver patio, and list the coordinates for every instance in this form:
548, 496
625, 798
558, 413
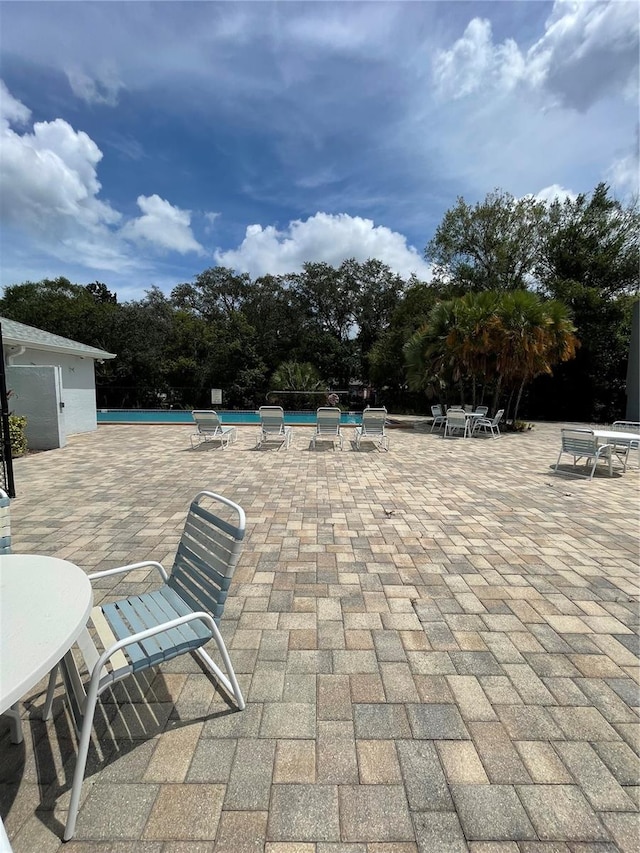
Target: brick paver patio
438, 647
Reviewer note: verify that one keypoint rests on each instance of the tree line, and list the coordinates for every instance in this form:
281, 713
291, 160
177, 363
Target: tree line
529, 307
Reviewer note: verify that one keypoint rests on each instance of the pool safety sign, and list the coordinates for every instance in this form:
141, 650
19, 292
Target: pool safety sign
216, 396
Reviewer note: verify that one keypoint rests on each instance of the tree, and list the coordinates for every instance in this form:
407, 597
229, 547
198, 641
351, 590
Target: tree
387, 366
529, 335
589, 259
503, 338
490, 246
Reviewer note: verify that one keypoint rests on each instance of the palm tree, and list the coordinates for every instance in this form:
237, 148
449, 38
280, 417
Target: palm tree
530, 335
300, 377
509, 338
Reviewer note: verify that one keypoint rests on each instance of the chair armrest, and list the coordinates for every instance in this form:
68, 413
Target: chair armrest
123, 569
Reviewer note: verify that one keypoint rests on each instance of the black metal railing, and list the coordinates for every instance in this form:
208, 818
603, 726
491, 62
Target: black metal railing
6, 460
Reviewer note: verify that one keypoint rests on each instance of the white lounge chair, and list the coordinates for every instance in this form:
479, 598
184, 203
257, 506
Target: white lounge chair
272, 427
457, 421
582, 444
373, 428
327, 426
210, 428
439, 418
139, 632
488, 424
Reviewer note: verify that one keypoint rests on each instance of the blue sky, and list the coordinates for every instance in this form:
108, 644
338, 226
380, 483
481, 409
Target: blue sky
144, 142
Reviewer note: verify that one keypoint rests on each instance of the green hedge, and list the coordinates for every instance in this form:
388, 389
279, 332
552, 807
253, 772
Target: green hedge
17, 425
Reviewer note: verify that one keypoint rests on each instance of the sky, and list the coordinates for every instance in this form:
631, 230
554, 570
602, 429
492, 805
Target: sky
142, 143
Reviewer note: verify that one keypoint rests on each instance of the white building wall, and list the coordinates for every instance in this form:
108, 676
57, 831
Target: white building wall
78, 386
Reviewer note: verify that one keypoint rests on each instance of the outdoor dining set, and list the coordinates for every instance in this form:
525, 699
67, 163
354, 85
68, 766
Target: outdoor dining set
466, 420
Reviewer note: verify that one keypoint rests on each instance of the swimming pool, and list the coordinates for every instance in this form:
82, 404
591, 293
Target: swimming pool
179, 416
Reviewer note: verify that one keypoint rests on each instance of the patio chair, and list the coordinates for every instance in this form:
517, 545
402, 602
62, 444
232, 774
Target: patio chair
272, 427
210, 428
373, 428
582, 444
488, 424
138, 632
482, 410
623, 447
327, 426
457, 421
439, 418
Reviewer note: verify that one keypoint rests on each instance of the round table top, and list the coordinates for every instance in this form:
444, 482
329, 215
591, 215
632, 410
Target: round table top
45, 603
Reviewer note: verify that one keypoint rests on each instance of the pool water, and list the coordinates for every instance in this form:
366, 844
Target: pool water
177, 416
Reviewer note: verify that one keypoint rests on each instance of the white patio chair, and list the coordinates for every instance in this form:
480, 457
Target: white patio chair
373, 428
439, 419
582, 444
457, 421
488, 424
210, 428
138, 632
482, 410
327, 426
272, 427
621, 449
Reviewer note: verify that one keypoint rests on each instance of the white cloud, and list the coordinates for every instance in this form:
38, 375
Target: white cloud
48, 179
624, 173
554, 193
474, 61
163, 225
587, 51
100, 89
11, 110
50, 192
323, 237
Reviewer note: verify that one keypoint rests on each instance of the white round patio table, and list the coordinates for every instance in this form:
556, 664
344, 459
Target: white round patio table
45, 603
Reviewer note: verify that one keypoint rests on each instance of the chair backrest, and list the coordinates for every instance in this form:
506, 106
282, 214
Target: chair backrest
328, 419
456, 417
208, 553
272, 419
498, 416
482, 410
373, 421
5, 524
468, 408
579, 441
206, 420
436, 411
626, 426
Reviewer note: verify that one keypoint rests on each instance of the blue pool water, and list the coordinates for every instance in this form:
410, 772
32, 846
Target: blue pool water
175, 416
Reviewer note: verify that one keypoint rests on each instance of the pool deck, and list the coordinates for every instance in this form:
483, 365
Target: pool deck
438, 647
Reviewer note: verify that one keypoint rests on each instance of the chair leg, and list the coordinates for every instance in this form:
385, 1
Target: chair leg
81, 760
48, 702
231, 683
16, 723
557, 461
